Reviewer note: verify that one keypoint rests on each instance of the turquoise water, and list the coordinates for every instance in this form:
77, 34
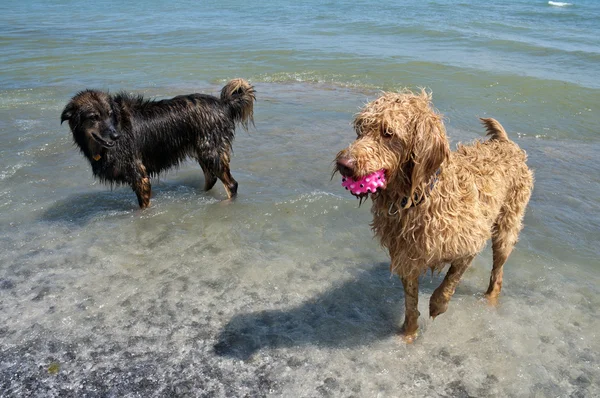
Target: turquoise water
284, 292
542, 58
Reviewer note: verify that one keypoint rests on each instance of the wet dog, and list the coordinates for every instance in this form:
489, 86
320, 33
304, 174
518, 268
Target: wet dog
128, 139
431, 206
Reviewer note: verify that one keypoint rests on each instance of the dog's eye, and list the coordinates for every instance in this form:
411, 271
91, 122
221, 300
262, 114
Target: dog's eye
93, 116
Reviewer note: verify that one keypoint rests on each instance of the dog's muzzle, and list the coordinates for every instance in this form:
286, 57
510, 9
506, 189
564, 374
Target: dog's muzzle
112, 135
346, 166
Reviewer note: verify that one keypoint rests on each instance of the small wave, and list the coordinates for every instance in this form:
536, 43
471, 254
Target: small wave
316, 78
559, 4
11, 170
26, 124
311, 197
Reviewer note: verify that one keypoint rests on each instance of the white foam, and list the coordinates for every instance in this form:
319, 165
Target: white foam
559, 4
27, 124
11, 170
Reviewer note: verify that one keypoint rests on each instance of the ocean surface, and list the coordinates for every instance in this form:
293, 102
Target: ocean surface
284, 291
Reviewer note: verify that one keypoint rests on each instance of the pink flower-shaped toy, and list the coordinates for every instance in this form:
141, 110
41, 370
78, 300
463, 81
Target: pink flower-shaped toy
365, 185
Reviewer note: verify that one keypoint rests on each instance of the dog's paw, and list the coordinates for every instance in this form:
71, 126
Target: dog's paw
408, 338
492, 299
437, 307
409, 332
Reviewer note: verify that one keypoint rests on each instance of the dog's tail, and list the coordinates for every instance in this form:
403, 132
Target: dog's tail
239, 95
494, 129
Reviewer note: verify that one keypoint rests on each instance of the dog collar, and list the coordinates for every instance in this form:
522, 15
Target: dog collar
96, 157
416, 201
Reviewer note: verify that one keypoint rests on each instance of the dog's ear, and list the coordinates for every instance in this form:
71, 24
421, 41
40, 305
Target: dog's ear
430, 149
68, 112
114, 107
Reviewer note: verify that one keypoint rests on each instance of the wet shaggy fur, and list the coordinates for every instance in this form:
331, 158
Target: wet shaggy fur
128, 139
439, 207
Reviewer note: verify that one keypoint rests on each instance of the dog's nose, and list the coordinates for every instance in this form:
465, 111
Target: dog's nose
346, 166
114, 135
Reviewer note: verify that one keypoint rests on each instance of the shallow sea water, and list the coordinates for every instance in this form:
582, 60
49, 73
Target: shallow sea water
284, 291
281, 292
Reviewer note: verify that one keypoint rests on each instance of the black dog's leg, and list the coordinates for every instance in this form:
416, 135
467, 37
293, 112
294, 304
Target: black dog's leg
219, 167
209, 178
229, 182
141, 185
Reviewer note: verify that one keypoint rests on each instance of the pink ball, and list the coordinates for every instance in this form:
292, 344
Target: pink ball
365, 185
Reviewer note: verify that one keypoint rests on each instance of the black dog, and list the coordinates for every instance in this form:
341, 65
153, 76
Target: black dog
128, 139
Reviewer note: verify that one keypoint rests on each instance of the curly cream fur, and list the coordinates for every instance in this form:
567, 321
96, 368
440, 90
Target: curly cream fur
456, 201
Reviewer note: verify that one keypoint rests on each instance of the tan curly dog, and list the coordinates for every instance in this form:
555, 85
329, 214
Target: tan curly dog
437, 207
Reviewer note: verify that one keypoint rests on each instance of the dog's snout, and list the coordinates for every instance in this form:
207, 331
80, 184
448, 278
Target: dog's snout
115, 136
346, 166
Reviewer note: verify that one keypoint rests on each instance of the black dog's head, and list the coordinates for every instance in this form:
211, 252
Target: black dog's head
92, 121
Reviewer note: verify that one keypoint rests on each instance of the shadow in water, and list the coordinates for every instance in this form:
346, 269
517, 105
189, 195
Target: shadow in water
81, 208
367, 308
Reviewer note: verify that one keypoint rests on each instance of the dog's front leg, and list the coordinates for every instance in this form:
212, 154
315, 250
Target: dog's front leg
209, 177
141, 185
411, 302
438, 303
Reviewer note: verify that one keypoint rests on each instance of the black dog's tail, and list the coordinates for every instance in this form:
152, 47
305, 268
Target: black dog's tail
239, 95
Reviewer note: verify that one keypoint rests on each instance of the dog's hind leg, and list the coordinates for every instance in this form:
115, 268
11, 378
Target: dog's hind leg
217, 166
209, 178
438, 303
141, 185
501, 247
229, 182
411, 304
225, 176
505, 235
